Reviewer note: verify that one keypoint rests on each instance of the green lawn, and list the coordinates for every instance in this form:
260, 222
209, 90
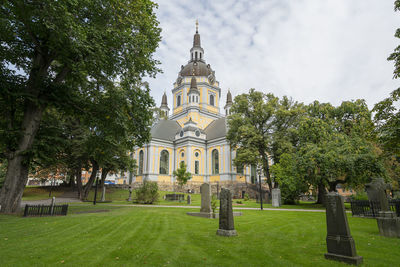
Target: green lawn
135, 236
119, 196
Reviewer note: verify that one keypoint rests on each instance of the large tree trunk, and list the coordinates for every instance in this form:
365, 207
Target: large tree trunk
321, 194
18, 161
89, 184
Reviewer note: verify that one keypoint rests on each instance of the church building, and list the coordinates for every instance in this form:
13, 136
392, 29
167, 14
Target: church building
194, 132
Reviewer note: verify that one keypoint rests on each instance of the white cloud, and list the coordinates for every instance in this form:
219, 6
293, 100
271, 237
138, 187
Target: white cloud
331, 50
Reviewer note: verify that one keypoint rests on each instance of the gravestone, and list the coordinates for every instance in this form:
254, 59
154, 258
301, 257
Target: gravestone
276, 198
226, 225
205, 191
340, 243
376, 193
189, 199
388, 223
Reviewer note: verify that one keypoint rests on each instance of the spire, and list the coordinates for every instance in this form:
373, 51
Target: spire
164, 100
196, 53
229, 98
196, 39
228, 103
164, 105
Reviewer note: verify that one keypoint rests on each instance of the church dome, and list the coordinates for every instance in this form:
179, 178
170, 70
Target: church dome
197, 68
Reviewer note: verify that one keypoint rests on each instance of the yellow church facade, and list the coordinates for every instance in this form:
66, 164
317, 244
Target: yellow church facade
194, 132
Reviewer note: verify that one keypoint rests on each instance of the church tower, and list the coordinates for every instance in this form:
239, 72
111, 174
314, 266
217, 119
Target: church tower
196, 92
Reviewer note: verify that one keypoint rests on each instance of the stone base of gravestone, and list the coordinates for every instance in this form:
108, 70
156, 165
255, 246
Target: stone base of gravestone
340, 243
388, 224
276, 197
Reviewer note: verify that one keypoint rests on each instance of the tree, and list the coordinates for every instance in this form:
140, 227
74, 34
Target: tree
335, 146
54, 54
182, 176
260, 128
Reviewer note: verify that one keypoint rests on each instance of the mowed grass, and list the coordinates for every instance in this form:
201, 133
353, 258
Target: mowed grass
120, 196
136, 236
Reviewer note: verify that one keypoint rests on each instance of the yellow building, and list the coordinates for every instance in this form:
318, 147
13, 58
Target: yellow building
195, 132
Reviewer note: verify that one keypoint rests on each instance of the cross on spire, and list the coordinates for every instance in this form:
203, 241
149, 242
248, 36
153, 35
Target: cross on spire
197, 26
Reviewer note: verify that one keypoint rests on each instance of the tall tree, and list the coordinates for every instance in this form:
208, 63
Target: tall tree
53, 52
336, 146
260, 128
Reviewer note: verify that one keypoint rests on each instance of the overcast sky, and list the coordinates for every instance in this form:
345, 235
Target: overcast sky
330, 50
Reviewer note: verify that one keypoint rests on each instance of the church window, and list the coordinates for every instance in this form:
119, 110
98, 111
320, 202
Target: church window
141, 162
182, 154
215, 161
196, 154
164, 162
197, 132
239, 169
178, 100
195, 55
189, 99
200, 55
197, 99
196, 167
192, 55
212, 100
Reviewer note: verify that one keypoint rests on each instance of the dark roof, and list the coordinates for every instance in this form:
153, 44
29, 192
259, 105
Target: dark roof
193, 86
196, 40
164, 100
165, 130
229, 98
200, 69
216, 129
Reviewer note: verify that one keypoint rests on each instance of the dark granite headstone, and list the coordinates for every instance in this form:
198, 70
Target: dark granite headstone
376, 193
340, 243
189, 199
226, 225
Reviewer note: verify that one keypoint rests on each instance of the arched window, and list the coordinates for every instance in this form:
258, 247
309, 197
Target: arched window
192, 55
212, 100
200, 55
215, 161
141, 162
196, 167
195, 55
164, 162
178, 100
197, 99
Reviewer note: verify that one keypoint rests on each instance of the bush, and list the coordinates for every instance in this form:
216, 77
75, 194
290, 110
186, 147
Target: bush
360, 196
246, 197
214, 202
147, 193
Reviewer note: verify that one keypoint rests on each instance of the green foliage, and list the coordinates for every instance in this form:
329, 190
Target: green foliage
246, 197
147, 193
181, 175
286, 174
261, 127
360, 195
